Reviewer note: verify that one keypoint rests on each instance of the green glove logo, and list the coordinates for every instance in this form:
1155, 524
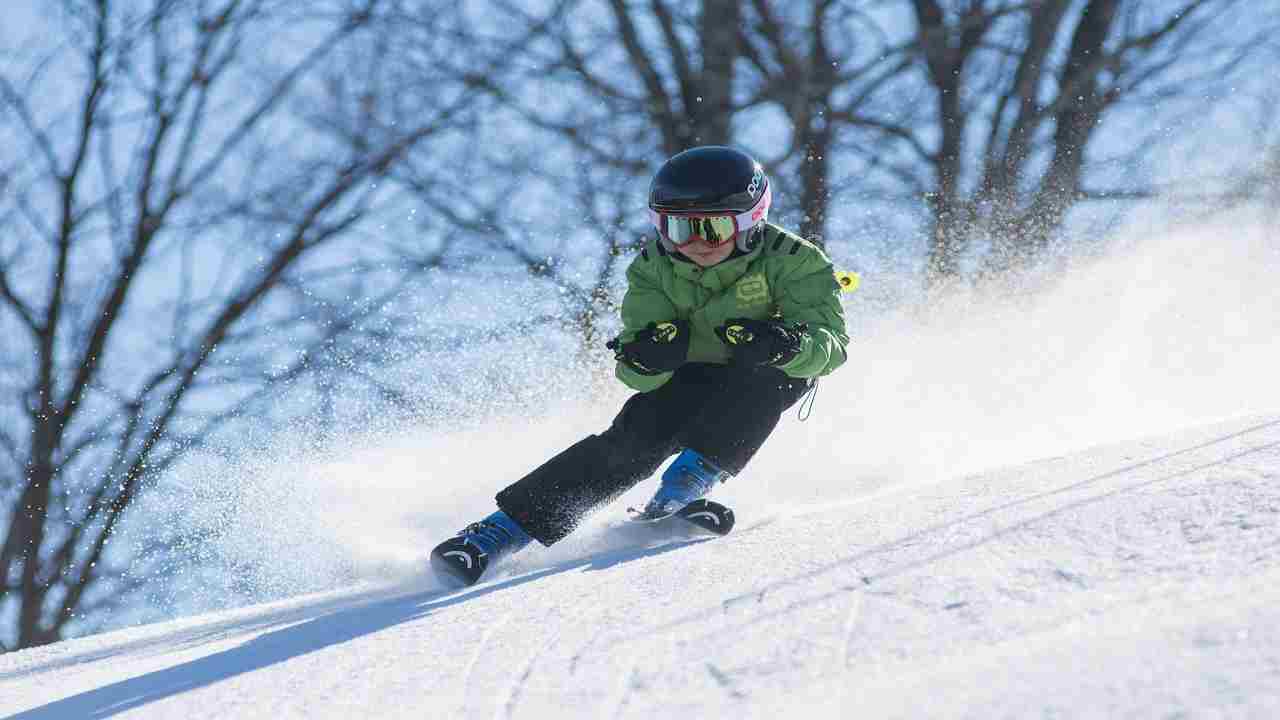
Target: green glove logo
737, 335
665, 332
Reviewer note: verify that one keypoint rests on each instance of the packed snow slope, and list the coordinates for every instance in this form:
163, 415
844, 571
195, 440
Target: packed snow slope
1061, 503
1139, 579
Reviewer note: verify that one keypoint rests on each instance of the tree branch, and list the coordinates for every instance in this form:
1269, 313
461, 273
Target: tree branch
660, 107
42, 140
20, 308
686, 79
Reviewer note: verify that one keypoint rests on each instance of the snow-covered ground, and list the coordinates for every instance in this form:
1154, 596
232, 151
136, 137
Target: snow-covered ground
1139, 579
1055, 506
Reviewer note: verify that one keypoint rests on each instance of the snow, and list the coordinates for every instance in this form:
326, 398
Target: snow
1060, 505
1133, 579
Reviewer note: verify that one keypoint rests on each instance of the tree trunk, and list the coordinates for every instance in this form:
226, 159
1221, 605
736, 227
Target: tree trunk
718, 39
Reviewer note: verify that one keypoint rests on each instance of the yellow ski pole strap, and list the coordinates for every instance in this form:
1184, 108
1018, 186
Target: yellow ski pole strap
849, 280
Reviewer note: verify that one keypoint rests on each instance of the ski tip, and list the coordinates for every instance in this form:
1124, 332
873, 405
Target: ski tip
456, 565
706, 514
709, 515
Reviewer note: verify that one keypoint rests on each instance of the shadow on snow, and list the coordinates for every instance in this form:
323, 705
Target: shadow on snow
317, 633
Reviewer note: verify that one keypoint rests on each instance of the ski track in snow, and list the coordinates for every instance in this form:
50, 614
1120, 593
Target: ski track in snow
1135, 579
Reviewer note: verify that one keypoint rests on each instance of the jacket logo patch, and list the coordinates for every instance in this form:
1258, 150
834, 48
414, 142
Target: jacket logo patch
752, 290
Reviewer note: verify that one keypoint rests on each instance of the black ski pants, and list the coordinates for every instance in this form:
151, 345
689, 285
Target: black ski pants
723, 412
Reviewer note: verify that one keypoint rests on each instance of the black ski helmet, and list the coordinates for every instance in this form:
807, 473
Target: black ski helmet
713, 179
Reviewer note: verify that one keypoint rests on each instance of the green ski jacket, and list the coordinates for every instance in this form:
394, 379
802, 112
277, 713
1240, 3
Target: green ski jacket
784, 276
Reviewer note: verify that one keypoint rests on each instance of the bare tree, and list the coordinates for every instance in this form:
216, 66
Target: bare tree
820, 63
554, 204
642, 81
632, 85
184, 228
1018, 95
1269, 182
989, 120
1249, 177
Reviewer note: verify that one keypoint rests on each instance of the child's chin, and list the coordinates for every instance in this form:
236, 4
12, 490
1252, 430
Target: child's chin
703, 260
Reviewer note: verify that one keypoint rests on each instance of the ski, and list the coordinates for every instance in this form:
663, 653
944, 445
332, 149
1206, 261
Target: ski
706, 514
457, 563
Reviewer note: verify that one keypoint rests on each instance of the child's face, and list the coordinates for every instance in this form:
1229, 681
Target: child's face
703, 254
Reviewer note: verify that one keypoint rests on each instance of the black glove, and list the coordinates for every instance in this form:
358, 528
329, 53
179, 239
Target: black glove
658, 348
762, 342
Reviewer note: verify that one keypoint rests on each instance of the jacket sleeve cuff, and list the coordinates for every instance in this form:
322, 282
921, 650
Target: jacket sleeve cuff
638, 382
810, 361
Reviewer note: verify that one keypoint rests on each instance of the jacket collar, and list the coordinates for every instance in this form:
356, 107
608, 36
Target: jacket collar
719, 276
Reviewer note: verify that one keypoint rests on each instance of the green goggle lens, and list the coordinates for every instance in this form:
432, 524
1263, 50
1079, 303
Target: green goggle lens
715, 230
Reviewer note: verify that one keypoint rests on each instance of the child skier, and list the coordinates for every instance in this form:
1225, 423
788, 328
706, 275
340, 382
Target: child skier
727, 320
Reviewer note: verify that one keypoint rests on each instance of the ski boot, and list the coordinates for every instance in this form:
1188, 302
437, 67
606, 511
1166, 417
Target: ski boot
463, 558
689, 478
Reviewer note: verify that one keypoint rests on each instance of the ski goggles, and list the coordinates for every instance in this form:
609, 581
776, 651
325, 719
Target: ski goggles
714, 228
